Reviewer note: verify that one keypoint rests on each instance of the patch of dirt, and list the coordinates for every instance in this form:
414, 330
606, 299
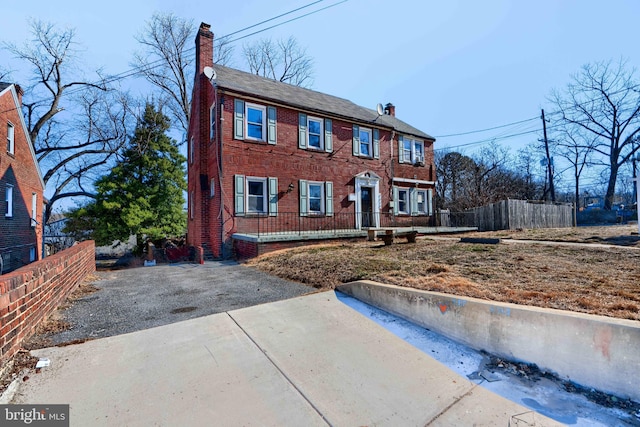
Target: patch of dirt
584, 279
19, 365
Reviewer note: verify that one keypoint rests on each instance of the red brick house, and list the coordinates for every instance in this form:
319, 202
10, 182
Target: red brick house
21, 186
273, 165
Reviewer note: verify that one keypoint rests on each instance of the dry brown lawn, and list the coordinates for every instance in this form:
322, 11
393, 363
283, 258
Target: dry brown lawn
589, 279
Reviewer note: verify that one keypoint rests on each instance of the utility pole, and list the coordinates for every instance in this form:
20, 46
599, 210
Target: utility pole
549, 165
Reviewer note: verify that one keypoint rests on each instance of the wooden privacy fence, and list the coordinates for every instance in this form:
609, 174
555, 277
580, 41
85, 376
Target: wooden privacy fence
514, 214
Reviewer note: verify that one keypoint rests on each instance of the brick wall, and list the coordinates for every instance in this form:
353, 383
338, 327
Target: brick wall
30, 294
243, 250
18, 236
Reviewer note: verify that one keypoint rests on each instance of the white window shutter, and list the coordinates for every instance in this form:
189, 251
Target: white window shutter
400, 149
271, 125
429, 201
376, 143
302, 130
328, 195
238, 119
273, 196
413, 201
395, 200
328, 135
356, 140
239, 195
304, 197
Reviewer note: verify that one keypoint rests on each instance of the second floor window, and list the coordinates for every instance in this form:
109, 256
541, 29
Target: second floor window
255, 122
410, 150
365, 142
315, 133
10, 139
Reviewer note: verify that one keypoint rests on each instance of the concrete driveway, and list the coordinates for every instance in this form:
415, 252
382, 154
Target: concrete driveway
304, 361
140, 298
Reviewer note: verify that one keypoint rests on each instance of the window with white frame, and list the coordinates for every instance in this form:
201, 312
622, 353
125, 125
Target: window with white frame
403, 201
314, 133
192, 202
212, 121
366, 142
410, 150
421, 202
255, 122
407, 148
418, 149
34, 209
412, 201
316, 198
191, 150
256, 195
11, 144
8, 198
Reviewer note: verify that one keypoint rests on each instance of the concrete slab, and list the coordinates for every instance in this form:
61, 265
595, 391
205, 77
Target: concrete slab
305, 361
199, 372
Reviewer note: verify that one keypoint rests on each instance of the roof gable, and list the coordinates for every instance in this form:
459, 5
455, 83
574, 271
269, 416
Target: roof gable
8, 89
268, 89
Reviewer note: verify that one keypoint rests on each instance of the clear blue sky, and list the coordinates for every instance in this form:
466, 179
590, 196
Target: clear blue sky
448, 66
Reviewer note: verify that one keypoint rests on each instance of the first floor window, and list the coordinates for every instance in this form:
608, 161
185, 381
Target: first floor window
256, 129
32, 254
412, 201
256, 195
316, 198
8, 198
192, 203
421, 201
403, 201
365, 142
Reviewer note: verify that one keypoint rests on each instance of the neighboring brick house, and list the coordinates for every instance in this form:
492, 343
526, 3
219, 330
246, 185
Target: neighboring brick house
21, 186
273, 163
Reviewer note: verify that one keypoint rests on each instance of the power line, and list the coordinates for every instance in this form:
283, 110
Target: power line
159, 62
487, 129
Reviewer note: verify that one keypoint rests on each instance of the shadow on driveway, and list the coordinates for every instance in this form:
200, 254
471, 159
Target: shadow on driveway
139, 298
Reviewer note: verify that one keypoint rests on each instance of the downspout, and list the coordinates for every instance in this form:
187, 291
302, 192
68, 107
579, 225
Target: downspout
393, 135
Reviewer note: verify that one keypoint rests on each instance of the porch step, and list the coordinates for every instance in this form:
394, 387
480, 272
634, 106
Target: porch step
207, 252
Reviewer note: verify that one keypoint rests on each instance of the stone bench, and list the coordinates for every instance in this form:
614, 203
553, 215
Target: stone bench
390, 234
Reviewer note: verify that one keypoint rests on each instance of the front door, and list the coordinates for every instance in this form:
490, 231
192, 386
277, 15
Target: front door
366, 204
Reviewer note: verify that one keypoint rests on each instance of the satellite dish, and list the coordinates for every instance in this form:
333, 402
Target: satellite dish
210, 73
380, 109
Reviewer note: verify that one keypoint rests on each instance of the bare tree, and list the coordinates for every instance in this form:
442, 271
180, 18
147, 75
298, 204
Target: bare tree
76, 126
284, 61
168, 63
577, 146
603, 100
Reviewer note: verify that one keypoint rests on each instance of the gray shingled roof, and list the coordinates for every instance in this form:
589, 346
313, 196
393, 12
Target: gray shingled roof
251, 84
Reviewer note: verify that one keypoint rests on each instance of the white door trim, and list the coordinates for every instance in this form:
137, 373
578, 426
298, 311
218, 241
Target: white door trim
371, 180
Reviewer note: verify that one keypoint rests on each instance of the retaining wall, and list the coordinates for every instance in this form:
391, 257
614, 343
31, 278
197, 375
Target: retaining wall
31, 293
593, 351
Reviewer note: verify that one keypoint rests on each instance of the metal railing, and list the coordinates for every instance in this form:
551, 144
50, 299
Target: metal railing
293, 223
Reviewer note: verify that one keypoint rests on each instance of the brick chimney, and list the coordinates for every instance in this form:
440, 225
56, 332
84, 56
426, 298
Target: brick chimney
390, 109
204, 48
19, 92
